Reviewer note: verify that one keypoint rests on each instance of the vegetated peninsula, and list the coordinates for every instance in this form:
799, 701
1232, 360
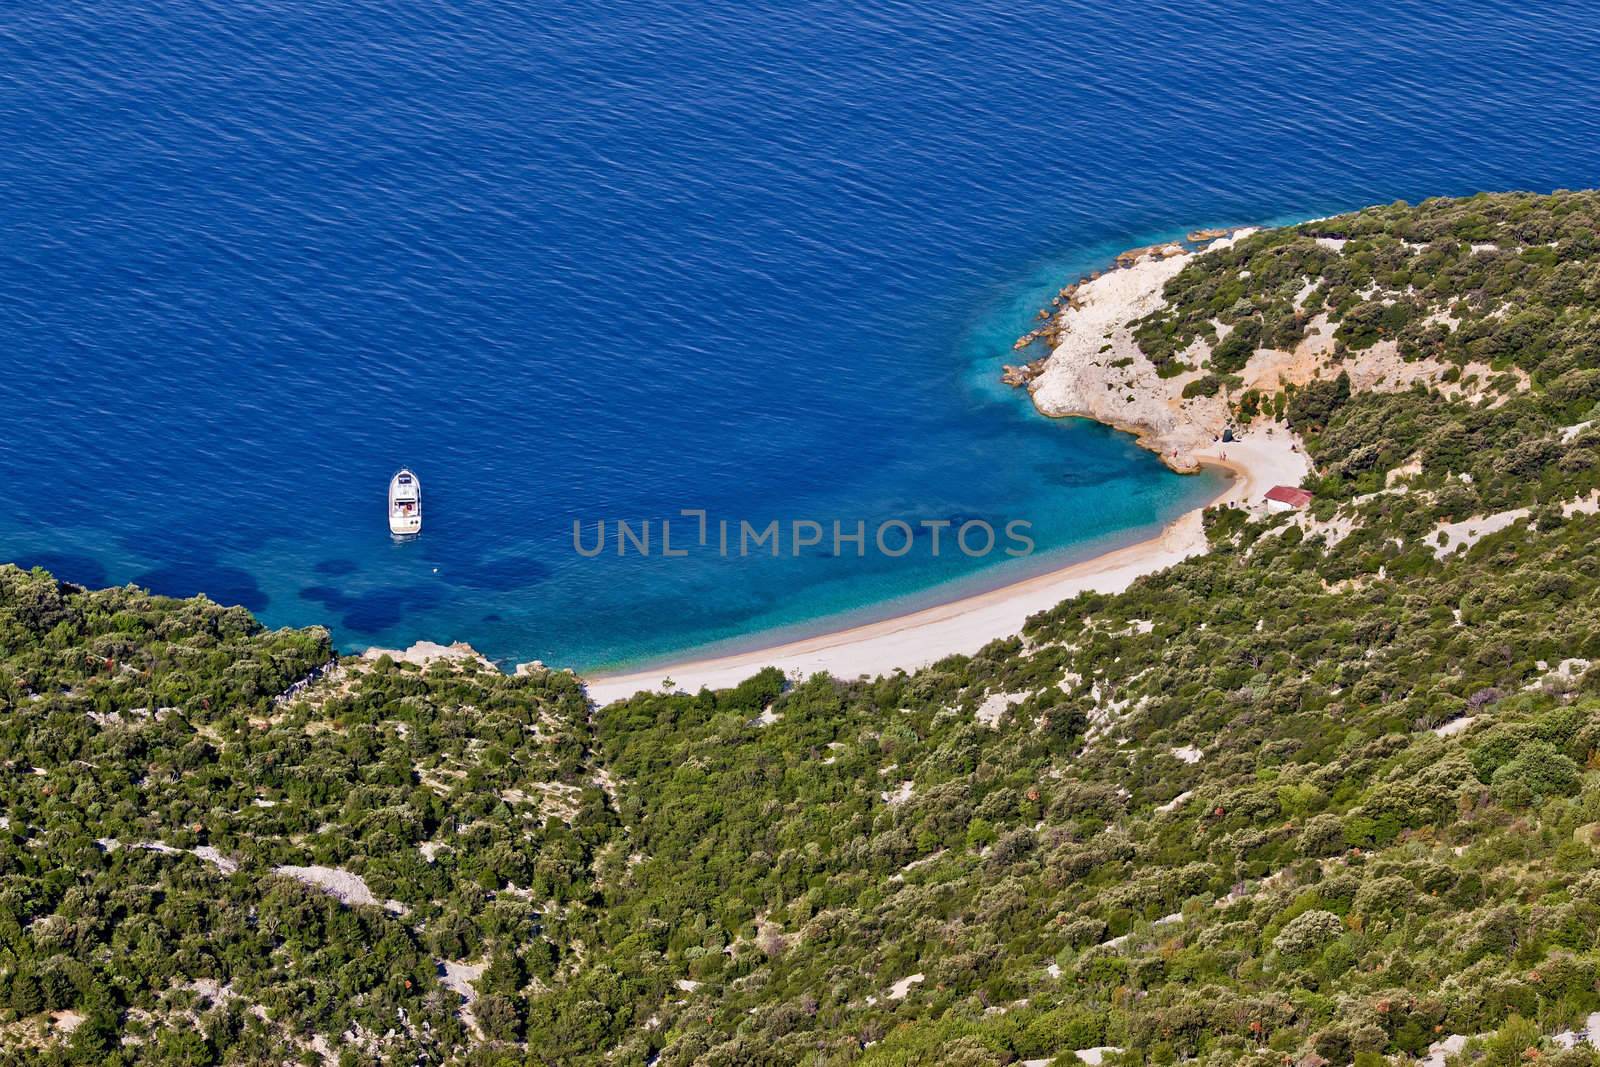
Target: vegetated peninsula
1180, 346
1325, 794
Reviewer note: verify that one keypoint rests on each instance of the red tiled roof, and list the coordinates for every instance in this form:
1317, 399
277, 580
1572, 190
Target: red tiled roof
1284, 494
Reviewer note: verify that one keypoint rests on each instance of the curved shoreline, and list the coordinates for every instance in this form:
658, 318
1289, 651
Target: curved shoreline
1258, 461
1095, 370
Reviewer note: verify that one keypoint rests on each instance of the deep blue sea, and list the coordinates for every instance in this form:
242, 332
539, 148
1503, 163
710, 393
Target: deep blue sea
610, 260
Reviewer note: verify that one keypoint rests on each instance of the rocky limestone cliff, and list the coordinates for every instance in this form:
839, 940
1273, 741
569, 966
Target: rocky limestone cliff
1097, 370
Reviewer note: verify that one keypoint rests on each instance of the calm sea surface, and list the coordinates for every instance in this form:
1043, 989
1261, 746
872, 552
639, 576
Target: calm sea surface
597, 261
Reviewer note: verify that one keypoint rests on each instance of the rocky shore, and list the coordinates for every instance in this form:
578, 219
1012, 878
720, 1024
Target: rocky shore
1096, 370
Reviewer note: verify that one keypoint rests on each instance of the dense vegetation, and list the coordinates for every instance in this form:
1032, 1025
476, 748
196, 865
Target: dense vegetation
1331, 792
1513, 277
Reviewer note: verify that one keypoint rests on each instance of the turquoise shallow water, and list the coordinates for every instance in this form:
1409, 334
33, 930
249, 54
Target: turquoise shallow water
610, 261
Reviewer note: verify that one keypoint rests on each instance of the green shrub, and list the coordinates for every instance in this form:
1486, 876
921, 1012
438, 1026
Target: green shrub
1308, 932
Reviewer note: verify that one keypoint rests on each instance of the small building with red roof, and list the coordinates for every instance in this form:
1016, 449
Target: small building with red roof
1287, 498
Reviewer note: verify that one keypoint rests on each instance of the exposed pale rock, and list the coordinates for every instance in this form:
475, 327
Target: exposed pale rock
995, 705
893, 797
1570, 433
458, 976
214, 857
900, 989
424, 653
1175, 803
1449, 1046
1097, 370
1454, 726
350, 889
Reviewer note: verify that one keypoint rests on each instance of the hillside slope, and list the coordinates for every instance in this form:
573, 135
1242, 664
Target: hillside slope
1329, 793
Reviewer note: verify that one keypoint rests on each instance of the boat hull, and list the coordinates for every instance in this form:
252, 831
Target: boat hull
405, 505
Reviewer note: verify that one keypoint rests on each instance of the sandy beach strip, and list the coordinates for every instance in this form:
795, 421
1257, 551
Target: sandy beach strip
1258, 461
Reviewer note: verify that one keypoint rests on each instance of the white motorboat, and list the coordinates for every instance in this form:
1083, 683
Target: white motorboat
405, 504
